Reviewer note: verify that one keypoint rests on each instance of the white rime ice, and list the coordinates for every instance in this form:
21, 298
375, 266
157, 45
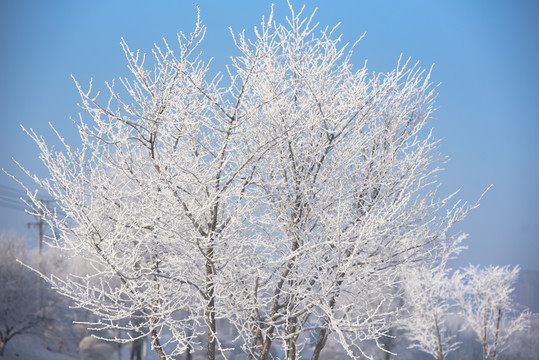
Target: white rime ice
486, 302
287, 198
429, 294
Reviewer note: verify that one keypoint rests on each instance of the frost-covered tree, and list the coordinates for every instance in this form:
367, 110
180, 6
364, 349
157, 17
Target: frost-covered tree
288, 200
347, 200
20, 312
27, 305
488, 308
429, 296
155, 197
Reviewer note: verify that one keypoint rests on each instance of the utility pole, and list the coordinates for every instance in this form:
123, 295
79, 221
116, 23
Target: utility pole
40, 232
39, 225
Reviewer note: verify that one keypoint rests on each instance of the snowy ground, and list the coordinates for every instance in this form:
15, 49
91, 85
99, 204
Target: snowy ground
32, 347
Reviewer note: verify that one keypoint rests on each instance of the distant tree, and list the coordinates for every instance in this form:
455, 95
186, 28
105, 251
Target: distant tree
20, 312
524, 345
429, 296
488, 307
289, 201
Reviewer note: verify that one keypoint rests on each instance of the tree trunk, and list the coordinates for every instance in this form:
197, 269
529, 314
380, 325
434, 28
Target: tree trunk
484, 339
439, 340
267, 344
119, 335
323, 335
274, 308
320, 343
157, 345
290, 350
210, 309
290, 353
210, 318
498, 320
257, 342
189, 350
4, 340
290, 343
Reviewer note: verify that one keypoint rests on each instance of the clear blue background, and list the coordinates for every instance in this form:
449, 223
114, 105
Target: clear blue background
486, 55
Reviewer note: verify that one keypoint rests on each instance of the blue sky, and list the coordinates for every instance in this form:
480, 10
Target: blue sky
486, 56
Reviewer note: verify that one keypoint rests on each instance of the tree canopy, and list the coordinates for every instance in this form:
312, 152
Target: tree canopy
288, 197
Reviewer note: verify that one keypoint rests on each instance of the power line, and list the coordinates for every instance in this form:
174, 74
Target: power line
10, 188
5, 188
11, 206
9, 199
10, 196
